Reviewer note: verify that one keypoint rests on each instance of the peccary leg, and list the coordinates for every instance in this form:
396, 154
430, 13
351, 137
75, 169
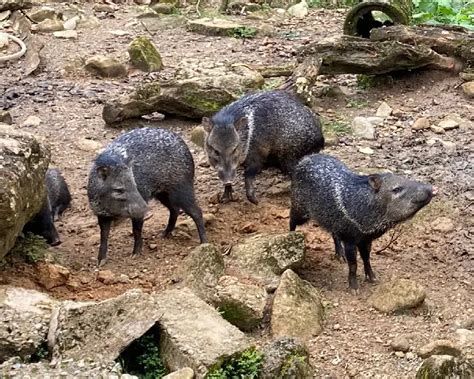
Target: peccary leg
185, 199
296, 218
250, 172
137, 225
340, 254
174, 212
351, 256
104, 224
364, 250
227, 195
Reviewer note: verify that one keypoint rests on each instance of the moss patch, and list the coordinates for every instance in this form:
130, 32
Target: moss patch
246, 365
144, 55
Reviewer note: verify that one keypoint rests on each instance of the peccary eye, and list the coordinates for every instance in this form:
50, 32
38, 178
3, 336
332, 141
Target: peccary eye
216, 152
397, 190
119, 191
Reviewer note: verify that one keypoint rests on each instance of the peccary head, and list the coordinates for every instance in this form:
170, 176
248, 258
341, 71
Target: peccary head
400, 197
224, 146
43, 224
116, 191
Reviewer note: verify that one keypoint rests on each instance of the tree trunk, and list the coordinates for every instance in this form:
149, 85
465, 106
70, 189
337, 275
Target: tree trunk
359, 20
452, 41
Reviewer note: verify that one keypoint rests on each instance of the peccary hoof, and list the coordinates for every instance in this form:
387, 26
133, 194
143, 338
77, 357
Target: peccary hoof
371, 278
253, 199
101, 262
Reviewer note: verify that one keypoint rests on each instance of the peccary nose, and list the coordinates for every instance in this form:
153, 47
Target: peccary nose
56, 242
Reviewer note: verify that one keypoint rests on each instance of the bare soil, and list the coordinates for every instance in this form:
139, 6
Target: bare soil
356, 338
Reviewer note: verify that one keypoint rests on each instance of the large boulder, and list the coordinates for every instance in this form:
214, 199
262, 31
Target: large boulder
101, 330
24, 161
265, 257
193, 334
24, 321
286, 358
445, 366
297, 309
193, 93
397, 295
202, 269
144, 55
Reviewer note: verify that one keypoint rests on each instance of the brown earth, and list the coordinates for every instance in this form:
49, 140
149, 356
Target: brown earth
356, 338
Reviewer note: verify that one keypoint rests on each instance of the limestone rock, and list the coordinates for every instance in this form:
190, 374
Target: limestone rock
48, 25
104, 329
397, 295
361, 127
285, 358
163, 8
144, 55
297, 309
366, 150
52, 275
4, 42
88, 145
43, 13
213, 26
66, 34
105, 66
32, 121
106, 277
24, 321
24, 164
384, 110
202, 269
421, 123
468, 89
193, 93
445, 366
240, 304
264, 257
198, 136
5, 117
299, 10
439, 347
400, 343
448, 124
187, 325
465, 339
88, 22
443, 225
184, 373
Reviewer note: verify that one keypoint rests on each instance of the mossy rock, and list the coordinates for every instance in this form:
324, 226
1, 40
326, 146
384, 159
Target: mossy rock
144, 55
445, 366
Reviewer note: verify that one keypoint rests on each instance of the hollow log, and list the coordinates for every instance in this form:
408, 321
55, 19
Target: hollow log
451, 41
359, 20
353, 55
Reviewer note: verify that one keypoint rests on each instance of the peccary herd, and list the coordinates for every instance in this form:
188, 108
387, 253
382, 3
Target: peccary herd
269, 128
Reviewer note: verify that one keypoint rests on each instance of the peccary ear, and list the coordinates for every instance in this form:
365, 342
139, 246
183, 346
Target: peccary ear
375, 181
103, 172
241, 123
207, 124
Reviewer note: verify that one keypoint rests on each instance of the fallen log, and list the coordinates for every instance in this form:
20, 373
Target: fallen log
451, 41
353, 55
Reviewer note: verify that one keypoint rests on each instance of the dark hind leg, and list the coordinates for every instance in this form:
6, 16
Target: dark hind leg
137, 227
339, 247
364, 250
185, 199
104, 223
297, 218
174, 211
350, 249
252, 168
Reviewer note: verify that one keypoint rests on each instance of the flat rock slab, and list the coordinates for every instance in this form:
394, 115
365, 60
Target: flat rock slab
297, 309
193, 334
397, 295
213, 26
265, 257
102, 330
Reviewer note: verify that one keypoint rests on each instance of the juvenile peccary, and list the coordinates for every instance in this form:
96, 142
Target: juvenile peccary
56, 201
260, 128
356, 209
138, 166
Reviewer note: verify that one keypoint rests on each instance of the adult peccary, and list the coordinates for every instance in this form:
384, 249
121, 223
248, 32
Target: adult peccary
136, 167
56, 201
356, 209
260, 128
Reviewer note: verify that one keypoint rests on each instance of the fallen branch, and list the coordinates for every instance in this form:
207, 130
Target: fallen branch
16, 55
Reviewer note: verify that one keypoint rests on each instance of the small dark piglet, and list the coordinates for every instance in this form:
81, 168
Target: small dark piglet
356, 209
259, 129
136, 167
57, 200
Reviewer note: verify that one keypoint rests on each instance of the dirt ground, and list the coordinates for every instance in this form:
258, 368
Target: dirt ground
356, 338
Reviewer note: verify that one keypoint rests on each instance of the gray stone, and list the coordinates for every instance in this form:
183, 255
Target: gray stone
264, 257
105, 66
361, 127
299, 10
213, 26
193, 334
468, 89
297, 310
5, 117
202, 269
241, 304
163, 8
32, 121
439, 347
24, 321
400, 343
198, 136
43, 13
384, 110
286, 358
48, 25
397, 295
104, 329
465, 339
24, 164
437, 129
52, 275
421, 123
443, 225
184, 373
448, 124
445, 366
66, 34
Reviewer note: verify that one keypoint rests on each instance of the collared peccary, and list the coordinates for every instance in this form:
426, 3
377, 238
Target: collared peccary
57, 200
136, 167
260, 128
356, 209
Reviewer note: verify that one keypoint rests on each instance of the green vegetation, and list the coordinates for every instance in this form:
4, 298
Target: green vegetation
366, 81
272, 83
338, 128
332, 3
456, 12
244, 32
244, 366
30, 247
355, 103
40, 354
142, 357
